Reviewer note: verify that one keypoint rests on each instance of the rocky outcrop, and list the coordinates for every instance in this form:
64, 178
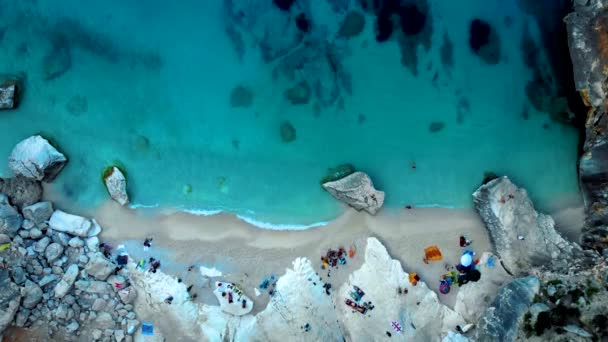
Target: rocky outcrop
116, 183
502, 320
357, 190
419, 312
588, 42
522, 237
36, 158
8, 95
10, 298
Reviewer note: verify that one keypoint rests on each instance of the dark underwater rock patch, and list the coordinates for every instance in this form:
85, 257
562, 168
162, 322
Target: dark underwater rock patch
241, 96
384, 27
353, 24
58, 59
435, 127
302, 22
484, 41
447, 52
299, 94
283, 5
412, 19
288, 132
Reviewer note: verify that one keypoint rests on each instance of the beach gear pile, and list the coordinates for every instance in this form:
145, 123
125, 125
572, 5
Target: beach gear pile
355, 301
334, 257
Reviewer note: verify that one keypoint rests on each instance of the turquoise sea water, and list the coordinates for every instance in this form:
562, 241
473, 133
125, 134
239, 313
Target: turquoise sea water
149, 86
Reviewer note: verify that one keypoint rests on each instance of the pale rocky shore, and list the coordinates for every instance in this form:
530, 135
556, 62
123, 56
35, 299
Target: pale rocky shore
78, 299
537, 282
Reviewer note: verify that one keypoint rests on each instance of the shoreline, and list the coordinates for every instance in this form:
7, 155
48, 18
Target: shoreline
246, 254
567, 210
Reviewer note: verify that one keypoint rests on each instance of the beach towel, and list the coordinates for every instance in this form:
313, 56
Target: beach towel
147, 329
432, 253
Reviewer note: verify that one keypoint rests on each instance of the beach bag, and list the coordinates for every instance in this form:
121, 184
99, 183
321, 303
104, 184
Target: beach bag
444, 287
432, 253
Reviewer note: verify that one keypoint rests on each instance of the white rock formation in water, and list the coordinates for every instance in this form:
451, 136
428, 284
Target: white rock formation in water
357, 190
522, 237
116, 183
36, 158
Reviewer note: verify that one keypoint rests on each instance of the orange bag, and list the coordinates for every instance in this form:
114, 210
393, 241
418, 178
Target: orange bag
432, 253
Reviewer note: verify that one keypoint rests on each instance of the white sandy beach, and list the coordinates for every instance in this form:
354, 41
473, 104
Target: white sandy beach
249, 254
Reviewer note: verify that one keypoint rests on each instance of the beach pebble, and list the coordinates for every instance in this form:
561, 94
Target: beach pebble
76, 242
96, 334
53, 251
27, 224
35, 233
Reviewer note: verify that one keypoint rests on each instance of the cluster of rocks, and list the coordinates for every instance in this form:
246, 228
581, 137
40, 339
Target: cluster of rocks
562, 288
53, 275
588, 39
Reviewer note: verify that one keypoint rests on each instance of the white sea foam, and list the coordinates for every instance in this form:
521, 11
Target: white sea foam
273, 226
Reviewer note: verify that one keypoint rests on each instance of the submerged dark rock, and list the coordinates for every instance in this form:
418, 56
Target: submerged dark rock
9, 95
338, 172
58, 59
353, 24
288, 132
241, 96
283, 5
447, 53
299, 94
302, 22
384, 27
484, 41
412, 19
436, 127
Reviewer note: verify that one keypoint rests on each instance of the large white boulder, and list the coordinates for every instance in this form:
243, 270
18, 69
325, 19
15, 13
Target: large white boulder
71, 224
419, 312
36, 158
116, 183
522, 237
357, 190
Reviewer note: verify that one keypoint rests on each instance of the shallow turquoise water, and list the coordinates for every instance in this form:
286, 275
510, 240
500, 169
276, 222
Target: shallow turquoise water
156, 78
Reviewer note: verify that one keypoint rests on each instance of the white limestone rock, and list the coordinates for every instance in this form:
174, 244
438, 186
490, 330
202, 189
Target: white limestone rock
357, 190
71, 224
36, 158
116, 183
65, 284
522, 237
379, 277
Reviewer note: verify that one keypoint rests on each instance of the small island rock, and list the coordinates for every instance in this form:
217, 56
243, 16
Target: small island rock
357, 190
116, 183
